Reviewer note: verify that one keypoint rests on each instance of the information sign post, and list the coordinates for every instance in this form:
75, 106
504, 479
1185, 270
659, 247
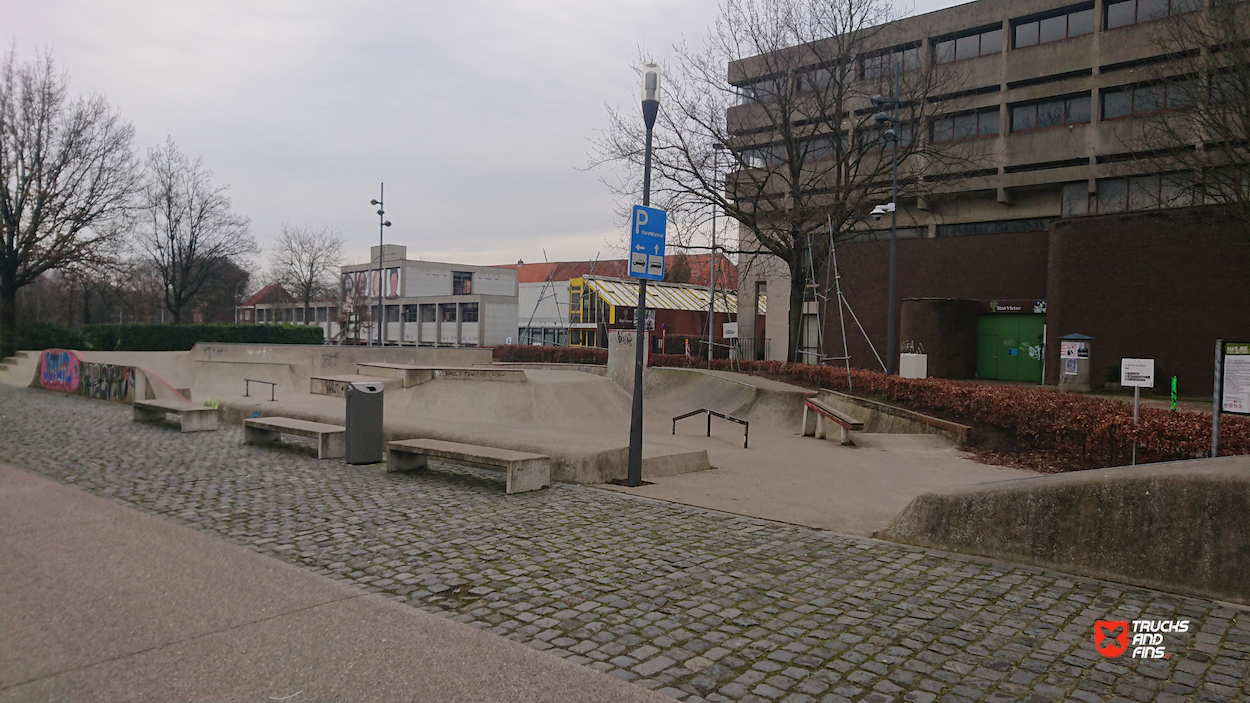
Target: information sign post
1138, 373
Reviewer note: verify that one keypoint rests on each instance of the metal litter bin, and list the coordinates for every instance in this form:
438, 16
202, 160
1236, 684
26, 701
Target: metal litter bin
364, 424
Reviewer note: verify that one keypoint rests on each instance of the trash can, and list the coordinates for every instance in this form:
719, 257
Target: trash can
364, 423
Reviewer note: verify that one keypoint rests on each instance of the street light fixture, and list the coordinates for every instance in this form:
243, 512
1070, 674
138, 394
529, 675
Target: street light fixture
891, 134
650, 109
382, 224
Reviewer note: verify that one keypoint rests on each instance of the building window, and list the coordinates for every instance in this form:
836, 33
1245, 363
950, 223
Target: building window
882, 65
1035, 224
289, 315
821, 80
427, 313
1126, 12
447, 312
969, 46
1071, 23
461, 283
874, 137
1051, 113
970, 125
321, 314
1145, 99
468, 312
392, 313
1075, 199
1116, 195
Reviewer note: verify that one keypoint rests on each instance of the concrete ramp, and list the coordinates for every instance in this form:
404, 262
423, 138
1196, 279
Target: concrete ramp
766, 404
21, 369
1180, 526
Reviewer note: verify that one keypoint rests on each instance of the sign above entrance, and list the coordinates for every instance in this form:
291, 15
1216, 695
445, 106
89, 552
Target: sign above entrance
1023, 306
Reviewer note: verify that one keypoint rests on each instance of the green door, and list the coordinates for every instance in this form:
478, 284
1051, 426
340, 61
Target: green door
1009, 347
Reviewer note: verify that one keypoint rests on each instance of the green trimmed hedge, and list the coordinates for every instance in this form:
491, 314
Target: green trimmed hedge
145, 337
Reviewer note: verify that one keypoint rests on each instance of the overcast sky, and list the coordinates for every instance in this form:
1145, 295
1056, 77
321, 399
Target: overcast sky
477, 114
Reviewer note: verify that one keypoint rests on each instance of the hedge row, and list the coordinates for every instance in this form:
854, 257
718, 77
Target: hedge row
146, 337
1055, 431
551, 355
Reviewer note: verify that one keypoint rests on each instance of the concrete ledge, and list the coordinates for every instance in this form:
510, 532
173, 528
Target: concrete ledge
336, 386
882, 417
1179, 526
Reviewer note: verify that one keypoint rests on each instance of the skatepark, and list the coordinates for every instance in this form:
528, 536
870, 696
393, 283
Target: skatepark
734, 572
579, 416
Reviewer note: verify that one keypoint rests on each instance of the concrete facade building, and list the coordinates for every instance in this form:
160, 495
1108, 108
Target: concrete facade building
1052, 98
428, 303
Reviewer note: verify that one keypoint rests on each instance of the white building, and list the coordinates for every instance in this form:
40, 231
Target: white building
428, 303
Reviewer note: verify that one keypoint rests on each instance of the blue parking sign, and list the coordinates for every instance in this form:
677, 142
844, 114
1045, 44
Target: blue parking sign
646, 243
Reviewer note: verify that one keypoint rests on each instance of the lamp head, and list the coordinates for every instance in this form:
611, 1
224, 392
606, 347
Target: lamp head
374, 202
386, 224
882, 118
651, 82
381, 212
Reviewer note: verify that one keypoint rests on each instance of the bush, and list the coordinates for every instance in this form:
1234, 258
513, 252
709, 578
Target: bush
551, 355
1056, 431
146, 337
44, 335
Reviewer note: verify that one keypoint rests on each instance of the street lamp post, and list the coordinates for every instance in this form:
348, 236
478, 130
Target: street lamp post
382, 224
892, 134
650, 108
711, 303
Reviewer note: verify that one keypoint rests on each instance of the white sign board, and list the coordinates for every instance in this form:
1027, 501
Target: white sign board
1137, 372
1236, 378
731, 330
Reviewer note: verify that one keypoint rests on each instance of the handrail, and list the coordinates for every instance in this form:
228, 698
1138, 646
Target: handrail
746, 426
247, 387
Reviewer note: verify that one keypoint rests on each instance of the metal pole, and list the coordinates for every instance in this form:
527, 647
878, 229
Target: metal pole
1215, 397
650, 108
711, 301
381, 217
1136, 402
891, 321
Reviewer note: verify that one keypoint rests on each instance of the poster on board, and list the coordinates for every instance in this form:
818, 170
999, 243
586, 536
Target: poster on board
1236, 378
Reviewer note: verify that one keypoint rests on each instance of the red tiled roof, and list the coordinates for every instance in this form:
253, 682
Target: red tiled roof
264, 294
726, 271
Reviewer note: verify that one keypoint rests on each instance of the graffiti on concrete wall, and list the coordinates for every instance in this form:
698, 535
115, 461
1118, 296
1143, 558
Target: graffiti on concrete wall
59, 370
108, 382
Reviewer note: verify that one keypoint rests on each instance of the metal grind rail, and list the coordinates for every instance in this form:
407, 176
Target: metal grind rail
247, 388
746, 426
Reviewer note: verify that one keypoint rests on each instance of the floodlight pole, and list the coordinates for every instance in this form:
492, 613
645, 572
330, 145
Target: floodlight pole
382, 224
892, 317
650, 108
711, 303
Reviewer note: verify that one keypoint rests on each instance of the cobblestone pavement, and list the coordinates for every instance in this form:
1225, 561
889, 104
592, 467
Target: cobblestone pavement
698, 604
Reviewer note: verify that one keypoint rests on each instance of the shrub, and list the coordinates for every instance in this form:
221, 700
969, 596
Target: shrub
147, 337
44, 335
1056, 431
551, 355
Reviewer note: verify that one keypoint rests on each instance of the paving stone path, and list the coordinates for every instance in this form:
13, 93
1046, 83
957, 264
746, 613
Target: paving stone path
698, 604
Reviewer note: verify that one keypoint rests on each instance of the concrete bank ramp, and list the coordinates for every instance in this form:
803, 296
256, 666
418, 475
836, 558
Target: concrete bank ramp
1179, 526
766, 404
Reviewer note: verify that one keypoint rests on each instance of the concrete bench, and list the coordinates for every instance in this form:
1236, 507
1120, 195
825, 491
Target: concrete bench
525, 472
331, 439
193, 418
815, 413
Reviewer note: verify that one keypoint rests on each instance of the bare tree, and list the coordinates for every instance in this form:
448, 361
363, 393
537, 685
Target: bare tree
67, 176
305, 261
804, 149
1193, 116
190, 233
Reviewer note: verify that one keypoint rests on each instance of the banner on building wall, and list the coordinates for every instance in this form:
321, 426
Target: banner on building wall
392, 282
1026, 306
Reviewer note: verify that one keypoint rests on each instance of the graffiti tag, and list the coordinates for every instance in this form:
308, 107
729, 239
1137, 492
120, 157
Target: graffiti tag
59, 370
